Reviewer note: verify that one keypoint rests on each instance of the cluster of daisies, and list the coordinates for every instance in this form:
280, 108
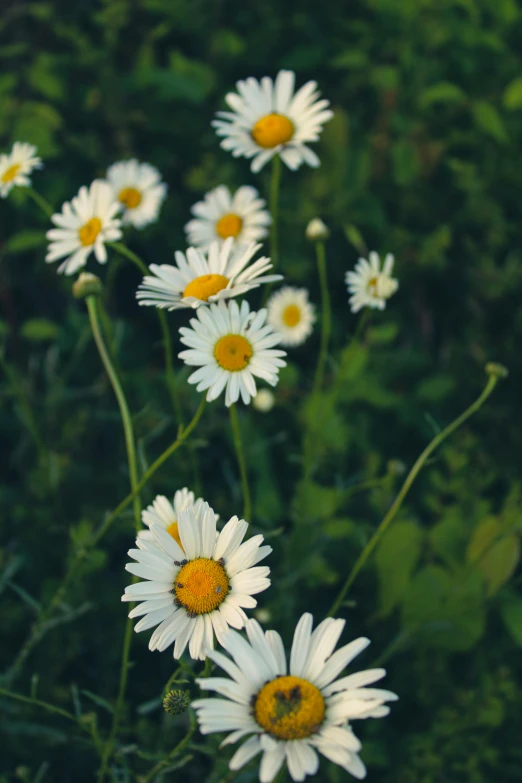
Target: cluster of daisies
199, 579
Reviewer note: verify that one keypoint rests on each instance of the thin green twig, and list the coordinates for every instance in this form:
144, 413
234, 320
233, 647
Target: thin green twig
41, 202
326, 317
173, 753
275, 181
236, 433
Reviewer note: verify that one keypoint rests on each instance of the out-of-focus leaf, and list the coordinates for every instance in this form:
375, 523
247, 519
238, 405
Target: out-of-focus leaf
513, 94
396, 556
511, 613
499, 562
39, 329
25, 240
442, 92
489, 120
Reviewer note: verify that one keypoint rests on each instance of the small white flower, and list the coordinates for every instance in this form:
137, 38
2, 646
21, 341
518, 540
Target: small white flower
241, 216
165, 514
84, 225
316, 230
291, 314
138, 189
370, 286
268, 119
291, 712
231, 346
201, 277
198, 588
264, 400
16, 166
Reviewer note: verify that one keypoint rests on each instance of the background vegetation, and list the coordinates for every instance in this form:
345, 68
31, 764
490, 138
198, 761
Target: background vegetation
423, 159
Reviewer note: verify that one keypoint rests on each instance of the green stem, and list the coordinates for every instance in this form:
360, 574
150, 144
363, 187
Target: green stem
412, 475
41, 202
274, 208
247, 504
37, 703
326, 319
173, 753
28, 416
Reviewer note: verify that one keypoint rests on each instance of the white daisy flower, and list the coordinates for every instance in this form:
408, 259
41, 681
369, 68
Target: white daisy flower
241, 216
369, 286
84, 225
291, 712
165, 514
264, 400
231, 345
291, 314
139, 190
16, 165
200, 277
267, 119
200, 588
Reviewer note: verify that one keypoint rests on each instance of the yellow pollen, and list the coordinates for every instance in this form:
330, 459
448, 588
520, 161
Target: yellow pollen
90, 231
272, 130
233, 352
229, 226
10, 173
206, 286
291, 315
289, 708
173, 531
372, 286
201, 585
130, 197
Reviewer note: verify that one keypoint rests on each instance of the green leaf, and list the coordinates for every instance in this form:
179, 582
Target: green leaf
483, 536
488, 119
39, 330
498, 564
511, 613
355, 238
442, 92
512, 98
98, 700
316, 502
406, 166
396, 557
25, 240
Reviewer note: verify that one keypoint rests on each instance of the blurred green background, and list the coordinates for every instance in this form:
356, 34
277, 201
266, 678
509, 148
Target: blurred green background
423, 159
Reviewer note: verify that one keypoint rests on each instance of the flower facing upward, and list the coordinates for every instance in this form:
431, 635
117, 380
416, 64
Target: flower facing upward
291, 712
138, 189
16, 166
84, 225
268, 119
199, 587
221, 215
291, 314
165, 514
370, 286
201, 277
231, 345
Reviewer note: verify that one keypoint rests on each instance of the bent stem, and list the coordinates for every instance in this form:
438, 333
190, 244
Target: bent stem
41, 202
412, 475
236, 433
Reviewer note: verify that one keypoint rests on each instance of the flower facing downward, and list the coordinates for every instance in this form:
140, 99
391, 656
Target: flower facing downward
231, 346
85, 224
165, 514
139, 191
370, 286
291, 314
291, 711
268, 119
201, 277
16, 166
221, 215
199, 587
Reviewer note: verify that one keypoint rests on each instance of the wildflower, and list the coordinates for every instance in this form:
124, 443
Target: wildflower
16, 165
369, 285
176, 702
264, 400
165, 514
316, 230
241, 216
291, 314
87, 285
138, 189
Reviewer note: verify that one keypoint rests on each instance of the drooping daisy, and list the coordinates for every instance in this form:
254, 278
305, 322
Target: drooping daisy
201, 277
231, 345
138, 189
15, 167
199, 588
241, 216
369, 285
291, 314
267, 119
165, 514
84, 225
292, 712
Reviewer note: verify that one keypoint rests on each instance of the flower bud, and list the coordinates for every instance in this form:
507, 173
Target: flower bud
316, 230
87, 284
263, 615
176, 702
496, 369
264, 400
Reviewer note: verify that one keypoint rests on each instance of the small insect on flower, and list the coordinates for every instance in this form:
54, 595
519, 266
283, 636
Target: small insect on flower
221, 215
85, 224
268, 119
139, 191
291, 712
231, 346
15, 167
198, 587
370, 286
201, 277
291, 314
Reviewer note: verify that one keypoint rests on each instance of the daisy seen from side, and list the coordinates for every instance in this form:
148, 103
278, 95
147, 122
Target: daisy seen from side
16, 166
267, 118
222, 214
139, 191
165, 514
291, 314
369, 285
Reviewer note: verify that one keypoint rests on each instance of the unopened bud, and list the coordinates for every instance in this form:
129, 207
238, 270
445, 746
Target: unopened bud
176, 702
87, 285
316, 230
264, 401
496, 369
263, 615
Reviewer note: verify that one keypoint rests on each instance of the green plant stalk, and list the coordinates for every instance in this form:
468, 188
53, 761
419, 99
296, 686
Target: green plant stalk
41, 202
412, 475
43, 704
173, 753
275, 181
29, 418
236, 433
326, 320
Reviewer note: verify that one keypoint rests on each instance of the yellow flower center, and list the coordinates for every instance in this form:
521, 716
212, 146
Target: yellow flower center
289, 708
272, 130
173, 531
201, 586
90, 231
229, 226
206, 286
10, 173
291, 315
130, 197
233, 352
372, 286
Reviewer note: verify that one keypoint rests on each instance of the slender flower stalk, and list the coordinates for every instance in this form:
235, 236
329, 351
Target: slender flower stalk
274, 208
41, 202
326, 319
236, 433
412, 475
173, 753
